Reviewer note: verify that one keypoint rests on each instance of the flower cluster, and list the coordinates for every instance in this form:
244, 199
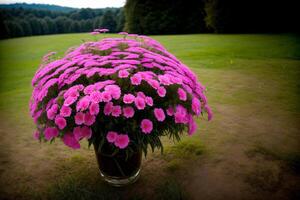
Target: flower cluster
122, 91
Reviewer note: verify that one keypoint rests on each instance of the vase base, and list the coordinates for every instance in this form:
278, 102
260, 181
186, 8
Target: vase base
120, 182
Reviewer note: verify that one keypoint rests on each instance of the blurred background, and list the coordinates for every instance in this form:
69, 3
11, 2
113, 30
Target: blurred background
151, 17
246, 53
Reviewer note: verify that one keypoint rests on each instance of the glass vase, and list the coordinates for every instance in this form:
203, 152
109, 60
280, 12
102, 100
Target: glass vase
118, 169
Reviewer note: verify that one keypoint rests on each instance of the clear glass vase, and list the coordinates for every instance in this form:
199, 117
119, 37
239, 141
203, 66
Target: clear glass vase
116, 169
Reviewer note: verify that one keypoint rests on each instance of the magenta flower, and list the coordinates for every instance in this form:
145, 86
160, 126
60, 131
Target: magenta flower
123, 33
128, 98
209, 112
146, 126
155, 84
116, 111
122, 141
83, 103
128, 112
196, 106
70, 141
141, 94
51, 114
192, 126
94, 109
140, 103
60, 122
181, 115
82, 132
94, 33
50, 132
89, 119
65, 111
69, 101
170, 111
106, 96
103, 30
111, 136
161, 91
136, 79
108, 108
114, 90
96, 97
123, 73
159, 114
181, 94
79, 118
149, 101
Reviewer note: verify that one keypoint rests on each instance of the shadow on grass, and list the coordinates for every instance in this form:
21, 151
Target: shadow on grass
292, 160
183, 152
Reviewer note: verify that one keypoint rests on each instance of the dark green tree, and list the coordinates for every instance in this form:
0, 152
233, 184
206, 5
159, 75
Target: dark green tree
164, 16
108, 21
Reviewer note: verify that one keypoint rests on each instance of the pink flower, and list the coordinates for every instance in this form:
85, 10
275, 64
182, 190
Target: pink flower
36, 135
141, 94
116, 111
94, 33
82, 132
79, 118
170, 111
70, 141
128, 112
159, 114
209, 112
154, 84
123, 73
111, 136
161, 91
51, 114
60, 122
106, 96
108, 108
164, 79
89, 119
128, 98
149, 101
89, 89
50, 133
136, 79
96, 97
192, 126
94, 108
196, 106
146, 126
65, 111
123, 33
139, 103
114, 90
182, 94
69, 101
54, 108
181, 115
122, 141
83, 103
73, 93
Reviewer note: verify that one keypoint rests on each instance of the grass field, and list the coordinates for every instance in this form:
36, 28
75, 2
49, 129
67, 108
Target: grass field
250, 150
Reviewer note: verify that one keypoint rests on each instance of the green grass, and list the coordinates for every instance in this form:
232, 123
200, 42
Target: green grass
252, 86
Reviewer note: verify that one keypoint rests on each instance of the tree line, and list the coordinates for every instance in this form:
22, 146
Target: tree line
158, 17
18, 22
220, 16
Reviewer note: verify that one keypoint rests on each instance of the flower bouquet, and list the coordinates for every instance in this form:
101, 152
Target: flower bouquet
121, 94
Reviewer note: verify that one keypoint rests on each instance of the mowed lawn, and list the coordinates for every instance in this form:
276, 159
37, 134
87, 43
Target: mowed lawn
250, 150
